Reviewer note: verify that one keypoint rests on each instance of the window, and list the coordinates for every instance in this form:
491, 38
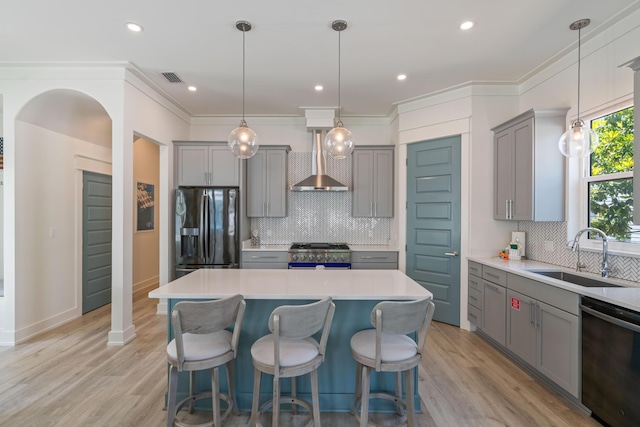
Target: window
609, 177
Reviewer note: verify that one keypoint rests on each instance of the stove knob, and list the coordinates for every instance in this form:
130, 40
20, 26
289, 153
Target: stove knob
311, 257
335, 257
303, 257
294, 257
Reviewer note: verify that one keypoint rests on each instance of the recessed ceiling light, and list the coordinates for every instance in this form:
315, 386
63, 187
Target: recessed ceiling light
402, 76
318, 88
466, 25
136, 28
192, 88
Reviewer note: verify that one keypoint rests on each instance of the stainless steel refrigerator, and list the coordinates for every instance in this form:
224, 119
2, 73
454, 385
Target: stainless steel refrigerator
206, 228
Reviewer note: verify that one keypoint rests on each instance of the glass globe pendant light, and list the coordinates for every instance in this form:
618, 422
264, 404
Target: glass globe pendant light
579, 140
338, 142
243, 141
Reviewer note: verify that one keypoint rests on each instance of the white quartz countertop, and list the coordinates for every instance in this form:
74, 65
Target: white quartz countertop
294, 284
246, 246
627, 296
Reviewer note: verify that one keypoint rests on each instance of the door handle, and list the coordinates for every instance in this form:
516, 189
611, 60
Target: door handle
453, 254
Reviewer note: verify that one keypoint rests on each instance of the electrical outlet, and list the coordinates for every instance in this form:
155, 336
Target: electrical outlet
52, 232
549, 246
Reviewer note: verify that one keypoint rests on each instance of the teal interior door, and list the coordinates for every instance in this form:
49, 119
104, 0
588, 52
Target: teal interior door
96, 241
433, 222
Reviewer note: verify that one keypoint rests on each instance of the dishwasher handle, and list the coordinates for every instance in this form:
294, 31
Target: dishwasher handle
610, 319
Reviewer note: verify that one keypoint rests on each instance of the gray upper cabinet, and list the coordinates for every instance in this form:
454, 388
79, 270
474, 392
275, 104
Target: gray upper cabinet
206, 164
529, 168
267, 182
373, 181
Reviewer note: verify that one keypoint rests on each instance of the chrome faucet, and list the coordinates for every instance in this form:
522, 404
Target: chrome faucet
605, 250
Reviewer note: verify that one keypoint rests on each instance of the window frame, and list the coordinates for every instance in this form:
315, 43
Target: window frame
621, 248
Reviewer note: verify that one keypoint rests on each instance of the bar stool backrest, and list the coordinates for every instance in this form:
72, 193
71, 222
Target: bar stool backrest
404, 317
207, 317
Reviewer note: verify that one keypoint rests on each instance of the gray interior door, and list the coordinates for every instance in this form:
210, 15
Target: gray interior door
96, 241
433, 222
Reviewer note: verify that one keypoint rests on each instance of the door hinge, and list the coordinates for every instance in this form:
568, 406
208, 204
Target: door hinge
406, 204
406, 161
405, 248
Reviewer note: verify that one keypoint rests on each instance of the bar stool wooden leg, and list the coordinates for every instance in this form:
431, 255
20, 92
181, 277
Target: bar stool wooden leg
171, 399
276, 402
399, 409
364, 411
232, 388
215, 395
192, 389
358, 393
315, 398
257, 376
294, 408
408, 380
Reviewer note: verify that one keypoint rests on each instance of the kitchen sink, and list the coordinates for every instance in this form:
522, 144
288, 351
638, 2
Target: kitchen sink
587, 282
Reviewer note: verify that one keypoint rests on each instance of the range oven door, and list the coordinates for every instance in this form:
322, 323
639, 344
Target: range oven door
319, 265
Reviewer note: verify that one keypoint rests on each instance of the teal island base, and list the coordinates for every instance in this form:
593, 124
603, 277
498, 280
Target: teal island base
336, 376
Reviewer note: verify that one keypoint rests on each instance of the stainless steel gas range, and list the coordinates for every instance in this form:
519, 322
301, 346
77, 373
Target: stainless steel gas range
320, 255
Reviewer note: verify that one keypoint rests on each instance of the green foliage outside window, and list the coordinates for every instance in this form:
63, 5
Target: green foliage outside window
611, 201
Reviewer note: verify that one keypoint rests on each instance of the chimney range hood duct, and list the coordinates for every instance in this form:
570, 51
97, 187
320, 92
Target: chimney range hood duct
319, 180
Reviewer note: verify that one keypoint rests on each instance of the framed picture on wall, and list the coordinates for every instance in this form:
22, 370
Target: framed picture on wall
145, 207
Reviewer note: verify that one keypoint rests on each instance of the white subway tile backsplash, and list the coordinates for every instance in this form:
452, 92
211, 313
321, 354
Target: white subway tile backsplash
321, 216
538, 233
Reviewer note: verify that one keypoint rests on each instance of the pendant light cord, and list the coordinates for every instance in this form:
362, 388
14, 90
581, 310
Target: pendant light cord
579, 39
339, 100
243, 71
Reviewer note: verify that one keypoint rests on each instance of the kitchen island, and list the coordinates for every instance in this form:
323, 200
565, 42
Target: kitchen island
355, 293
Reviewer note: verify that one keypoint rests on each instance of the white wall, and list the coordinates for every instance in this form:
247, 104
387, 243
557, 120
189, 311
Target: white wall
146, 244
46, 202
134, 109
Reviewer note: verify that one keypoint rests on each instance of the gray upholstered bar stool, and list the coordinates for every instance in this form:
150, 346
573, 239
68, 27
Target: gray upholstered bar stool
290, 351
387, 348
202, 341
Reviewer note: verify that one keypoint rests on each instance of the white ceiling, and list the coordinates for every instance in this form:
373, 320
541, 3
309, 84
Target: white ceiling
292, 47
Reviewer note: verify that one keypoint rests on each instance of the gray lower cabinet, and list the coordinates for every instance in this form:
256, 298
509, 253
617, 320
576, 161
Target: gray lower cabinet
206, 163
494, 297
476, 294
267, 182
264, 259
374, 260
373, 181
545, 336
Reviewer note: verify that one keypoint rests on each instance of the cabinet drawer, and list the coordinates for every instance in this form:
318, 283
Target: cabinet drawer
264, 259
475, 268
475, 297
373, 257
475, 283
474, 315
494, 275
556, 297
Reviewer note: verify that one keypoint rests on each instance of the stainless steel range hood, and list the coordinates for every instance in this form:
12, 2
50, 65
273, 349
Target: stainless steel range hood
319, 180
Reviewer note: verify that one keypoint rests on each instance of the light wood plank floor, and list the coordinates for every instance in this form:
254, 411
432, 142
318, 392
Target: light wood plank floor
70, 377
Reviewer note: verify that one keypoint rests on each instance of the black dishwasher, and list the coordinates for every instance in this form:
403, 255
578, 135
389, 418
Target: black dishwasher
611, 362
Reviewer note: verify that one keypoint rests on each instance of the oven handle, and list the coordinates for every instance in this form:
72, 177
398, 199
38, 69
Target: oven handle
314, 268
610, 319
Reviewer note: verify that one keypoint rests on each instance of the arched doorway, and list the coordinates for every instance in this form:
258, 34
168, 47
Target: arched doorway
58, 134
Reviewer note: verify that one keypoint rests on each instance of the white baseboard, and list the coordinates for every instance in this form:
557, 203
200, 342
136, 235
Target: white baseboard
120, 338
145, 283
45, 325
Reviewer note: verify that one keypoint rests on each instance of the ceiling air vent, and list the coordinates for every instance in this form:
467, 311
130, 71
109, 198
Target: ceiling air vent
172, 77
